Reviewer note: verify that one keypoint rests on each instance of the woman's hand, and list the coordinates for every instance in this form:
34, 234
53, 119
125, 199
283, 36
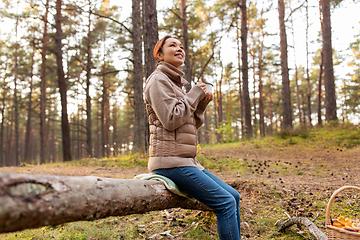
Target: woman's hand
202, 86
209, 96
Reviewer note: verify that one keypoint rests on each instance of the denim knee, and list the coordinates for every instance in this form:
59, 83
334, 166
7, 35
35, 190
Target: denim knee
236, 195
228, 204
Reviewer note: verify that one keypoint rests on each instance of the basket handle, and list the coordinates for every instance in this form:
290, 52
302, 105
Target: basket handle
332, 198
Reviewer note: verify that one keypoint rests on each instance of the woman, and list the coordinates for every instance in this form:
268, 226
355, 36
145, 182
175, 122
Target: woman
175, 117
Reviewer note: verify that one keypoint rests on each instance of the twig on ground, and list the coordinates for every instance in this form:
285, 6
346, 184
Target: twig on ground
313, 229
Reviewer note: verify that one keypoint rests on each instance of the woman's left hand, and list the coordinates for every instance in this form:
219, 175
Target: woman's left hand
208, 98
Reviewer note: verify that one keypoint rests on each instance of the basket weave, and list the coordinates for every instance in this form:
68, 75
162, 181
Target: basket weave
335, 233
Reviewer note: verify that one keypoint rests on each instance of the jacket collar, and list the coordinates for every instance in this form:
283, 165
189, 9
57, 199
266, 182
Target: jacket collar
172, 72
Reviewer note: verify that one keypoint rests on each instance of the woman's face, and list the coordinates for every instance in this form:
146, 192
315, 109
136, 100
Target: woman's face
173, 52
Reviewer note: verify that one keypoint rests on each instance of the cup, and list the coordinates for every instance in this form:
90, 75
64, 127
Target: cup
209, 87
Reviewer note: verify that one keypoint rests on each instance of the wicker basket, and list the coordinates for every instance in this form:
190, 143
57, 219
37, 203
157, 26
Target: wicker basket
335, 233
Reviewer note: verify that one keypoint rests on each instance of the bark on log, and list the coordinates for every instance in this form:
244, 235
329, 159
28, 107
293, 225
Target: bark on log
32, 201
313, 229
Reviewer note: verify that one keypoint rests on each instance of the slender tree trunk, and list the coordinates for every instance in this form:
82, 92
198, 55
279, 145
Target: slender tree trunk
254, 94
296, 79
219, 101
298, 96
319, 90
150, 38
104, 114
261, 101
287, 115
43, 87
185, 33
271, 112
2, 160
307, 64
240, 83
216, 106
9, 155
16, 119
65, 127
98, 130
206, 129
115, 129
320, 74
139, 106
28, 124
330, 97
244, 69
89, 144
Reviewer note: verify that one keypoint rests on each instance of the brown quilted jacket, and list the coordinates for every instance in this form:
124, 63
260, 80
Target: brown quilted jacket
174, 117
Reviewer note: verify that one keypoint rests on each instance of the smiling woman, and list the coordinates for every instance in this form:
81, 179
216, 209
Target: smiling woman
170, 50
174, 119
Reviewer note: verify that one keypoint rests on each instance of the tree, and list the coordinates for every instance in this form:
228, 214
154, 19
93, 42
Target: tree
184, 26
244, 70
28, 125
307, 64
150, 34
286, 102
17, 156
65, 127
43, 86
139, 109
150, 38
87, 88
330, 97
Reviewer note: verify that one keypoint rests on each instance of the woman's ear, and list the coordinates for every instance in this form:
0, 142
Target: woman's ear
159, 57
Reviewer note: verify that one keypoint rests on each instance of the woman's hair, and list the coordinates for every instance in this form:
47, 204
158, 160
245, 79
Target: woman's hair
160, 44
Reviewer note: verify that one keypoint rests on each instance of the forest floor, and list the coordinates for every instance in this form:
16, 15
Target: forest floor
277, 177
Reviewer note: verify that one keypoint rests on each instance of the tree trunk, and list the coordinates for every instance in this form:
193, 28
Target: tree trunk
287, 115
261, 101
186, 44
240, 83
28, 124
16, 119
65, 127
271, 112
104, 115
254, 93
150, 34
298, 95
320, 74
307, 64
330, 97
150, 38
319, 90
43, 87
115, 129
244, 70
32, 201
2, 160
87, 89
139, 106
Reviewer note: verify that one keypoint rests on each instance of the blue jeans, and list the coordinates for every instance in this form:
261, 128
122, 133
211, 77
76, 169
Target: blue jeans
213, 192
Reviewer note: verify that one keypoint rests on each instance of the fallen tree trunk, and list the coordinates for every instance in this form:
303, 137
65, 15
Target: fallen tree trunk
32, 201
313, 229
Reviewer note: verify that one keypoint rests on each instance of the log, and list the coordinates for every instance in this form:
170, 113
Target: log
313, 229
32, 201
